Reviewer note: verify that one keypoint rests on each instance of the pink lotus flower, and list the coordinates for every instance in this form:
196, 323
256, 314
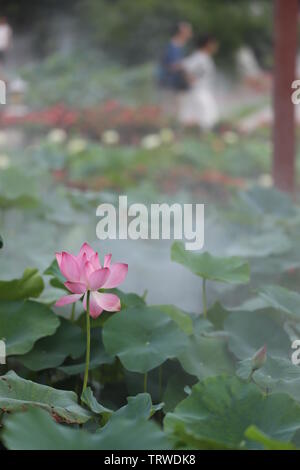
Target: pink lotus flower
84, 273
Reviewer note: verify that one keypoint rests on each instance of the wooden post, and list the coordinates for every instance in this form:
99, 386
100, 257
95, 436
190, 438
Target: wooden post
285, 48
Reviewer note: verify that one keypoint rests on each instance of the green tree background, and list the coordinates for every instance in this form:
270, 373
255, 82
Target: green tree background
134, 31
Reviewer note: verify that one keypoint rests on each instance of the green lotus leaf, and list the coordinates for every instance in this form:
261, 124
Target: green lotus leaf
143, 338
127, 429
282, 299
254, 434
206, 356
17, 394
249, 331
57, 279
232, 270
221, 409
183, 320
29, 285
128, 300
68, 341
90, 401
23, 323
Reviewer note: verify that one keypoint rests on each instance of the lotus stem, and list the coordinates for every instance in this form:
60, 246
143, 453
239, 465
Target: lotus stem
160, 376
88, 342
204, 300
73, 313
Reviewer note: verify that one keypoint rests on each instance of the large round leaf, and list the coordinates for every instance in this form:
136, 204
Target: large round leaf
232, 270
129, 299
282, 299
206, 356
220, 410
143, 338
128, 429
17, 394
206, 353
23, 323
254, 434
68, 341
29, 285
249, 331
183, 319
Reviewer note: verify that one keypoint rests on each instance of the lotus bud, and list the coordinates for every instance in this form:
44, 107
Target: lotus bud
259, 358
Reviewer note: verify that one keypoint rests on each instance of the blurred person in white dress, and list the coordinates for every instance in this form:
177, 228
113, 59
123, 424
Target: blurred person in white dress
5, 39
198, 105
252, 74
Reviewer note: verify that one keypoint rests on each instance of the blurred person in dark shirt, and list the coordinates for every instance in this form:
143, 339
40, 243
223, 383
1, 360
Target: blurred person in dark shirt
172, 78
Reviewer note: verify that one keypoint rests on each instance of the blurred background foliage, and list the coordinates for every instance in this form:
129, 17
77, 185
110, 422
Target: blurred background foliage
142, 27
134, 31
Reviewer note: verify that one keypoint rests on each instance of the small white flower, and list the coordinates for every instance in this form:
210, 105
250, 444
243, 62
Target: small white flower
76, 145
110, 137
265, 180
18, 85
151, 141
167, 135
57, 136
4, 162
230, 137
